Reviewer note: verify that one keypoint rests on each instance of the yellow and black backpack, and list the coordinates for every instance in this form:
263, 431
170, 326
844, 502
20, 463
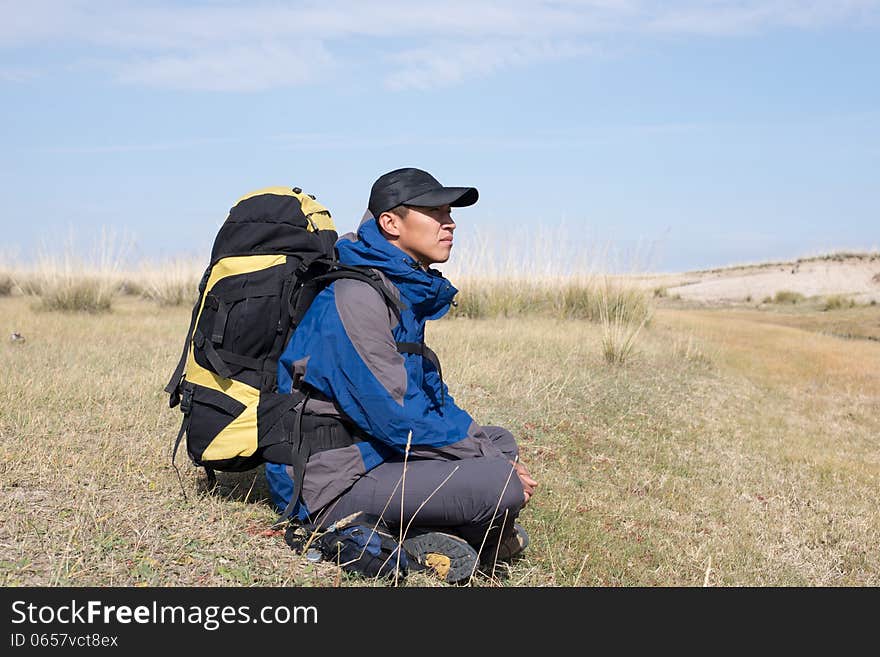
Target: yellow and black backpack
272, 255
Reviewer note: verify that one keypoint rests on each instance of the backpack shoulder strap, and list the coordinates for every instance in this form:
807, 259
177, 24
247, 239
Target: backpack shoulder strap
363, 274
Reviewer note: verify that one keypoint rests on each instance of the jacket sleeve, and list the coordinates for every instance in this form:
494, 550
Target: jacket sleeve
356, 362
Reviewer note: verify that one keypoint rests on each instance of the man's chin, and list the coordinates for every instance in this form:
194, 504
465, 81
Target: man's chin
439, 256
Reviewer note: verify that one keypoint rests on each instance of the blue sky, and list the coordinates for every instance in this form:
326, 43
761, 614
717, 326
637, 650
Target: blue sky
716, 132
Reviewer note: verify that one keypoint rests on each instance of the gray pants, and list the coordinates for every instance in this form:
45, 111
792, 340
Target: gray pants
480, 499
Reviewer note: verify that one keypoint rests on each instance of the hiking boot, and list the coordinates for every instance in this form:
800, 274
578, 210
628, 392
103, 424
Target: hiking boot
511, 545
449, 557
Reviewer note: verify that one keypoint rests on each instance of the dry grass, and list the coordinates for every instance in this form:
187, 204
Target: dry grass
594, 298
839, 301
813, 436
68, 285
173, 283
623, 313
858, 322
66, 281
725, 441
787, 296
7, 284
69, 291
544, 270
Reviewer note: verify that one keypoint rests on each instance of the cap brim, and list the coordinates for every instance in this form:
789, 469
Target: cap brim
457, 197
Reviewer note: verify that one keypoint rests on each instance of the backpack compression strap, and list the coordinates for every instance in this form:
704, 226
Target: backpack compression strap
173, 387
186, 408
222, 360
301, 453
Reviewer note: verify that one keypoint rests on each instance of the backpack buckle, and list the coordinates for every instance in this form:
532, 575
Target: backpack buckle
186, 401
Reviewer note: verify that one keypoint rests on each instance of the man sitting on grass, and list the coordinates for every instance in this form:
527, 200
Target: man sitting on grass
463, 484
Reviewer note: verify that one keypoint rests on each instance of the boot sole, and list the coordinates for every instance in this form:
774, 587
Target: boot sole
451, 558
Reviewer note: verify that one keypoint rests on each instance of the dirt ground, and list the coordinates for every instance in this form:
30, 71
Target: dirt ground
856, 276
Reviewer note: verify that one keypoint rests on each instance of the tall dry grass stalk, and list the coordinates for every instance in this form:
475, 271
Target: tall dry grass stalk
7, 284
67, 281
402, 495
787, 296
172, 283
623, 313
574, 297
489, 528
551, 272
839, 302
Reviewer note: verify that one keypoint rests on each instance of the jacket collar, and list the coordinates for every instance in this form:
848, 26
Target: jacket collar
427, 292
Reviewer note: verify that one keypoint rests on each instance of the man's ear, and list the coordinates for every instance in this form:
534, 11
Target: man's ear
388, 222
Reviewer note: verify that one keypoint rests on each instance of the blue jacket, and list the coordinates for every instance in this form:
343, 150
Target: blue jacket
345, 348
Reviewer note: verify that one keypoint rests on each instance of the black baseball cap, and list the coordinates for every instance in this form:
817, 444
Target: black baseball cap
411, 186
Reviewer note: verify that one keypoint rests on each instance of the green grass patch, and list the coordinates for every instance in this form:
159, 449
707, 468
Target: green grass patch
7, 284
838, 302
788, 297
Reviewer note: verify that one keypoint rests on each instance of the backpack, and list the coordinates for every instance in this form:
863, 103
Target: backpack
271, 257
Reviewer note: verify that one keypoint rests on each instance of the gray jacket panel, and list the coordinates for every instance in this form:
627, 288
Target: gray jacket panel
317, 406
365, 317
330, 473
476, 443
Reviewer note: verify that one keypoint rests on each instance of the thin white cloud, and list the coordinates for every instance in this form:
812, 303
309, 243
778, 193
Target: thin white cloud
246, 46
730, 18
239, 68
17, 74
164, 25
157, 147
430, 67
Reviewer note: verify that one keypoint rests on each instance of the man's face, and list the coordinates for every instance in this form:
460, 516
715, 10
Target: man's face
423, 233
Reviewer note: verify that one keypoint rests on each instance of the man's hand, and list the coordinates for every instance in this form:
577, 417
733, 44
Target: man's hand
529, 485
